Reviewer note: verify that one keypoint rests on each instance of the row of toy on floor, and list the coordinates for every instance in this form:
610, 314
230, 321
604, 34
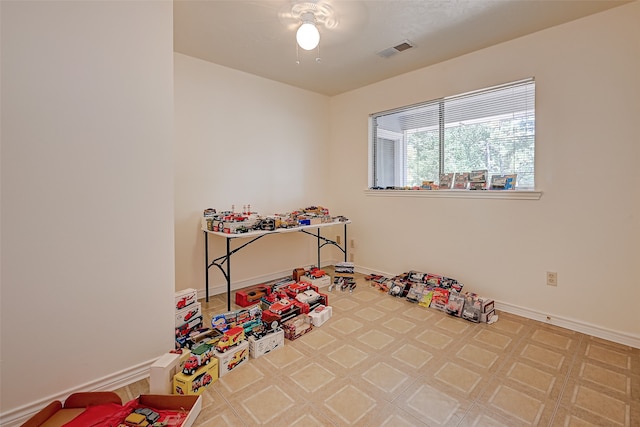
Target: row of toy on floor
439, 292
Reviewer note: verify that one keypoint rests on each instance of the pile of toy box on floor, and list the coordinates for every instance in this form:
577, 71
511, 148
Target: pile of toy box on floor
439, 292
283, 309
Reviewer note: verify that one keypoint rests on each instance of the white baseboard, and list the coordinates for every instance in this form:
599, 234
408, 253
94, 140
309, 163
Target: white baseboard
18, 416
572, 324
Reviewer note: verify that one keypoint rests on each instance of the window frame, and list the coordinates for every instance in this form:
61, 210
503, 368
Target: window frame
401, 169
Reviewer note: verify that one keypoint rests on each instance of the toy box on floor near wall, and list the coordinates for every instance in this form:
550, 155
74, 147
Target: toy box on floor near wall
486, 317
320, 314
270, 342
232, 358
186, 297
163, 370
296, 327
189, 312
198, 382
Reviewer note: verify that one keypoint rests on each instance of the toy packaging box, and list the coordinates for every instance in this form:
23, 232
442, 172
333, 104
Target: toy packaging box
189, 312
320, 282
232, 358
486, 317
472, 310
455, 304
184, 409
440, 298
198, 382
296, 327
251, 296
163, 370
266, 344
320, 314
186, 297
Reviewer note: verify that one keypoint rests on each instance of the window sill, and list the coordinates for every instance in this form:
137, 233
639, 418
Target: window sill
458, 194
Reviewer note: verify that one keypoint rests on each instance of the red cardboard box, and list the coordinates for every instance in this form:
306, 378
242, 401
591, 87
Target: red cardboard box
252, 295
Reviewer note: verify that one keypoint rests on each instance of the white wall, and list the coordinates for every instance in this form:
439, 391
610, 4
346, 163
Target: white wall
586, 226
87, 196
242, 139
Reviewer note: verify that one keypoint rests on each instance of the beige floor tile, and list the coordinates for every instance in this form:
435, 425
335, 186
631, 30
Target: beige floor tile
384, 361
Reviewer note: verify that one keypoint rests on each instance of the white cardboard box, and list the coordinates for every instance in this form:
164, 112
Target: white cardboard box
320, 282
162, 371
189, 312
266, 344
320, 314
185, 297
485, 317
232, 358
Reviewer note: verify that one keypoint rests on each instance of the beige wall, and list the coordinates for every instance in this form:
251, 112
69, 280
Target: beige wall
87, 197
242, 139
586, 226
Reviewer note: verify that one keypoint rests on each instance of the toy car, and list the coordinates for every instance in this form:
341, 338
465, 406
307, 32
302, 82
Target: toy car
308, 297
136, 420
281, 306
150, 415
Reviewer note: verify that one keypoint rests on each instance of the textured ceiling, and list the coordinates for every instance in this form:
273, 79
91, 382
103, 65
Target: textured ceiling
258, 37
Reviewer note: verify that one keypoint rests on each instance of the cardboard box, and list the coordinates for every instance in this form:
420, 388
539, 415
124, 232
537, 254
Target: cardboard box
56, 414
198, 382
189, 312
266, 344
320, 282
232, 358
296, 327
487, 304
485, 317
320, 314
186, 297
252, 295
163, 370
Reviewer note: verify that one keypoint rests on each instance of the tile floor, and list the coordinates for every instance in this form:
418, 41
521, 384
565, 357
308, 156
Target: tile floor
383, 361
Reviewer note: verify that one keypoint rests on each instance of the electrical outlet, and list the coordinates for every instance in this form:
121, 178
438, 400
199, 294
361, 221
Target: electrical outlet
338, 239
552, 278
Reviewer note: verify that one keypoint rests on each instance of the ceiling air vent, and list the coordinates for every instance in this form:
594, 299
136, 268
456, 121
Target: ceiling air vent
395, 49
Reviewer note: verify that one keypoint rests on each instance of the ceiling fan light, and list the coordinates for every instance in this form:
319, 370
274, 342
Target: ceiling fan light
308, 36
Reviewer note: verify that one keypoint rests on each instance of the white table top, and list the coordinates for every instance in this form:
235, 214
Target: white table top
255, 233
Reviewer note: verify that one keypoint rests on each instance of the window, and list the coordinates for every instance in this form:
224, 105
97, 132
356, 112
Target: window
491, 129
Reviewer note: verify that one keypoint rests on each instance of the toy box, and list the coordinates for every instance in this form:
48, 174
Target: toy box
296, 327
162, 371
189, 312
440, 298
186, 297
183, 331
270, 342
198, 382
320, 314
486, 317
319, 282
232, 358
455, 304
56, 414
252, 295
